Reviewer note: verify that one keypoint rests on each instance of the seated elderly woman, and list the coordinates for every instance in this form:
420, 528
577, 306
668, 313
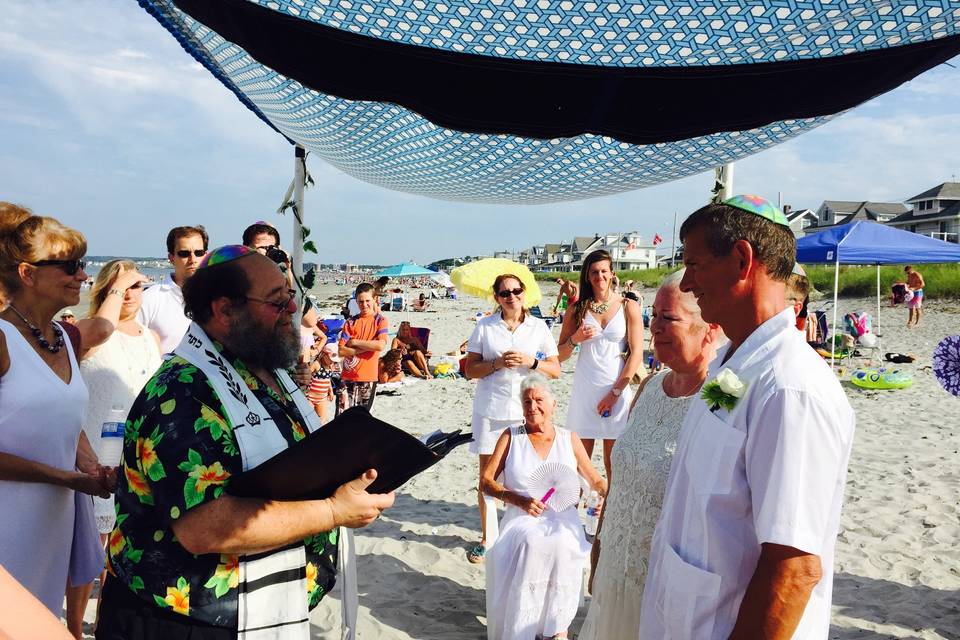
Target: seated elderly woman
641, 461
535, 568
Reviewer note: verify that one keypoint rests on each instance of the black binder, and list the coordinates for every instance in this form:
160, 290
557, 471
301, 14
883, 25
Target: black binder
339, 452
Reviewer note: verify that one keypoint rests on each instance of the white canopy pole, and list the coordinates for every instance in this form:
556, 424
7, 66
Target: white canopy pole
726, 174
296, 256
836, 290
877, 332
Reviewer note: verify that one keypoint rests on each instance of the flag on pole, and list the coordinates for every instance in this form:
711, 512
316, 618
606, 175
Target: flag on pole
657, 239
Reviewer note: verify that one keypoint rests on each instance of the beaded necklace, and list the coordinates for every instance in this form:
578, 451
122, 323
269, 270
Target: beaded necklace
38, 334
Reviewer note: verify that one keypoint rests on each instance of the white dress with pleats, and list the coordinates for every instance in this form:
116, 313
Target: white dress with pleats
535, 568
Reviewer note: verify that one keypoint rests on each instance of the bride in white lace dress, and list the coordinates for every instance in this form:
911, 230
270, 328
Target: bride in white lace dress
641, 462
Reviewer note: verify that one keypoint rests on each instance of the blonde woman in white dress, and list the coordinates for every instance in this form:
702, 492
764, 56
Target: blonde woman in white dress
116, 370
641, 462
535, 568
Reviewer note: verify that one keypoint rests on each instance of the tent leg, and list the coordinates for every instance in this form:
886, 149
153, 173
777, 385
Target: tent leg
833, 329
296, 257
877, 332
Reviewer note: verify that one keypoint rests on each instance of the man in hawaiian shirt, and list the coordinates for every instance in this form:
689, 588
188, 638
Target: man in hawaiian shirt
744, 546
182, 554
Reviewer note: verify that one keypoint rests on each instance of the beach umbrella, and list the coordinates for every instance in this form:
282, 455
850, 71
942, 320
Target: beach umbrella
405, 270
532, 101
442, 278
476, 279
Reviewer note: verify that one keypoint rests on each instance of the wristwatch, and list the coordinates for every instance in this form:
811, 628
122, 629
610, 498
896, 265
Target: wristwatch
616, 392
536, 363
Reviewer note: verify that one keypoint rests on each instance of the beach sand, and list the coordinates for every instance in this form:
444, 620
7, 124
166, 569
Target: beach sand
897, 561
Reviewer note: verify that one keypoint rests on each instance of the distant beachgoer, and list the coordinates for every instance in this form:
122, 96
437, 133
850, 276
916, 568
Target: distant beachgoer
114, 372
320, 390
605, 325
391, 367
503, 348
566, 297
413, 352
187, 559
67, 317
641, 462
45, 459
421, 303
798, 295
363, 337
915, 283
535, 567
162, 307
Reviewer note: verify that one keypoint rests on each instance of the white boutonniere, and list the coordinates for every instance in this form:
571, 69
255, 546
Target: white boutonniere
724, 391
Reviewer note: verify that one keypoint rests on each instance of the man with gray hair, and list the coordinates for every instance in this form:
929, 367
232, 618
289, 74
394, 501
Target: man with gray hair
744, 546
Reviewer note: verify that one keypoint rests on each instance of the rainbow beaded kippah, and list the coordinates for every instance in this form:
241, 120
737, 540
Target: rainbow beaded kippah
759, 207
224, 254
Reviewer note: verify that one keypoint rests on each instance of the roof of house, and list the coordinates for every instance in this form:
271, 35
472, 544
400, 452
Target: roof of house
796, 213
946, 191
863, 210
912, 216
551, 248
580, 243
842, 206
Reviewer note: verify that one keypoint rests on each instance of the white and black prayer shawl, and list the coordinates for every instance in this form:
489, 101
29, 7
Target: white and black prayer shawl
273, 586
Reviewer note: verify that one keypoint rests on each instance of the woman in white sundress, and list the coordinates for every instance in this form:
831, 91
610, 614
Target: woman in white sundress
604, 325
641, 462
535, 568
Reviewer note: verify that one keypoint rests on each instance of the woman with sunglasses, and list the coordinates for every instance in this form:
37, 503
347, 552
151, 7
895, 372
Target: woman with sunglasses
42, 404
503, 348
114, 372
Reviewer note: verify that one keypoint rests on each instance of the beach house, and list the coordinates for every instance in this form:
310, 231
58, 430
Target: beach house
836, 212
935, 213
800, 219
628, 250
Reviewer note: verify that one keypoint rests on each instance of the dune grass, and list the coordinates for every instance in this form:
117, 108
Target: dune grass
942, 280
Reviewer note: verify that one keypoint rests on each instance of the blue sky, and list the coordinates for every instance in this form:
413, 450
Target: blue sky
109, 126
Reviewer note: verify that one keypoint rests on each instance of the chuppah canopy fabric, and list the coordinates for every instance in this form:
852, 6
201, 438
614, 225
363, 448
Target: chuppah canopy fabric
528, 101
865, 242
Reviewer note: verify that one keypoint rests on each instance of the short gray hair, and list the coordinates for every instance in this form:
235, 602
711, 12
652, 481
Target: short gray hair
536, 380
688, 300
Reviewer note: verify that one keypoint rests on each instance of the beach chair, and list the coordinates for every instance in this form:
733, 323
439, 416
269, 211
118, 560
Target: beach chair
536, 313
423, 335
398, 303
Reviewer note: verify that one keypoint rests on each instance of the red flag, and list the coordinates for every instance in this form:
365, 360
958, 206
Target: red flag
657, 239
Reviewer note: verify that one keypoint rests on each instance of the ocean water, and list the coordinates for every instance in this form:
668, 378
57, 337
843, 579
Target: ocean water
153, 268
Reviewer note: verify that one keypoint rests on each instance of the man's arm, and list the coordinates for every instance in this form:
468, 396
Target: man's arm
360, 346
247, 525
777, 594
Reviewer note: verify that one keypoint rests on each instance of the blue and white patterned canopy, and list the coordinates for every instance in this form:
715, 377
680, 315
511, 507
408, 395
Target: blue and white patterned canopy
394, 146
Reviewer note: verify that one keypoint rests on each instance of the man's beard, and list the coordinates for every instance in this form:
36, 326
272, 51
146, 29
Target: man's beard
267, 347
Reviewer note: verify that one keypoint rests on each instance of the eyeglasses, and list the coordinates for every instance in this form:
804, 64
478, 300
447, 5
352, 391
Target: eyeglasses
70, 267
289, 305
185, 253
506, 293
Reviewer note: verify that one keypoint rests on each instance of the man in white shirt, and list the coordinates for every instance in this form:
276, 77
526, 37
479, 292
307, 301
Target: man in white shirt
162, 307
744, 546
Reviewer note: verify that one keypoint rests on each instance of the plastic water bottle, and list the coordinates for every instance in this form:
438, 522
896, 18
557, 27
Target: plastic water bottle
593, 513
111, 438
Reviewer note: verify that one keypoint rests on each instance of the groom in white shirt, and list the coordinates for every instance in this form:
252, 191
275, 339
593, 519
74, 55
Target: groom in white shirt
744, 546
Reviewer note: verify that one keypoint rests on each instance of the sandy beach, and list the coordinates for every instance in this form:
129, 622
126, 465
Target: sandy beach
898, 565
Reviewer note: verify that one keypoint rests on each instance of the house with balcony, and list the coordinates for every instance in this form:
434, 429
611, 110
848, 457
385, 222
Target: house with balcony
935, 213
836, 212
628, 250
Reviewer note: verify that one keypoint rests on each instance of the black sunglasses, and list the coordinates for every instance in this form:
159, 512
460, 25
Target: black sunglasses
282, 306
185, 253
506, 293
70, 267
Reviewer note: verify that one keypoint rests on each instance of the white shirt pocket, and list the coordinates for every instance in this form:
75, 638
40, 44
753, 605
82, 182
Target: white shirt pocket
713, 455
689, 601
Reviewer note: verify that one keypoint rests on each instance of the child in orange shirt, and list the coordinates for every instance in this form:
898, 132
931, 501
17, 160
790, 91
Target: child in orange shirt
364, 336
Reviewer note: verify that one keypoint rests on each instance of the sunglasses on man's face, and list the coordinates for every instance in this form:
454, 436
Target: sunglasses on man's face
185, 253
506, 293
70, 267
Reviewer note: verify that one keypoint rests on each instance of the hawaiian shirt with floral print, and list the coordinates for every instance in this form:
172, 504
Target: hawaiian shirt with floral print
180, 452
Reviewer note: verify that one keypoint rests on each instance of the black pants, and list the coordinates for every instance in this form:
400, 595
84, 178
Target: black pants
126, 616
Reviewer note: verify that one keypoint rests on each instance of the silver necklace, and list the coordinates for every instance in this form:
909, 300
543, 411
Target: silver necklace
38, 334
600, 308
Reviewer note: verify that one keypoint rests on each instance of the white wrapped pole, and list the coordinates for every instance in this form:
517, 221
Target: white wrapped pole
876, 332
349, 603
836, 291
296, 256
726, 178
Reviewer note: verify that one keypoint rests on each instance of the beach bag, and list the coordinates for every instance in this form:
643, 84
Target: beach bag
857, 324
898, 293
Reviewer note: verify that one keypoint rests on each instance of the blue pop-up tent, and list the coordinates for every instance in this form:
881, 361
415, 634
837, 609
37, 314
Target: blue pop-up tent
865, 242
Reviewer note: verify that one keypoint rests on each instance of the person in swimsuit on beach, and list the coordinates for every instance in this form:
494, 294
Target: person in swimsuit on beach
916, 284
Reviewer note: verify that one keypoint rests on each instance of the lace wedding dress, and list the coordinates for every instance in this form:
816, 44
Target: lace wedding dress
641, 462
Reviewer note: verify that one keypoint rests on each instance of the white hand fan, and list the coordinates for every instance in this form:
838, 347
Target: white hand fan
556, 484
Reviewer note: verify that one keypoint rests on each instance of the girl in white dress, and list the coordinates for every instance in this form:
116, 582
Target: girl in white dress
641, 463
604, 325
535, 567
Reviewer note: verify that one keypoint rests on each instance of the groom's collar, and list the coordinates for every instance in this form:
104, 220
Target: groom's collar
755, 343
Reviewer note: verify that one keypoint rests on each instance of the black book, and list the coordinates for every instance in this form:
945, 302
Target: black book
341, 451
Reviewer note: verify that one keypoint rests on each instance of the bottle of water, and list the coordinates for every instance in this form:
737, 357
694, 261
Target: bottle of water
111, 438
593, 513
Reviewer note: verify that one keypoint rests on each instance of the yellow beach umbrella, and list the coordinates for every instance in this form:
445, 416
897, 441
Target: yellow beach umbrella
476, 279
